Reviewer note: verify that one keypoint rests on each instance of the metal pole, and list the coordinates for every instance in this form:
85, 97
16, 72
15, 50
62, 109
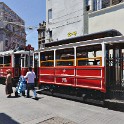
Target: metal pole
29, 59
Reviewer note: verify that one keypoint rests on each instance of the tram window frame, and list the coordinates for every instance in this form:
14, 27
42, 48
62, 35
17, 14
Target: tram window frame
88, 55
47, 59
65, 57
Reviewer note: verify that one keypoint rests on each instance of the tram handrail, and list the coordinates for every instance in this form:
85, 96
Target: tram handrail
72, 60
94, 58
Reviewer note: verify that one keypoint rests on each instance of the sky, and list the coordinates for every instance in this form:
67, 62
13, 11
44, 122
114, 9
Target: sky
32, 12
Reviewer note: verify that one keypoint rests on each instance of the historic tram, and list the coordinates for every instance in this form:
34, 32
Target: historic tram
17, 61
90, 65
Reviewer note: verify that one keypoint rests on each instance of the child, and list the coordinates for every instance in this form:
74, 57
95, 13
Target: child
21, 87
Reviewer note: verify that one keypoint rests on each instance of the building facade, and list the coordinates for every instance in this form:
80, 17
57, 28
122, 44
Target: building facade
12, 29
66, 19
41, 34
106, 15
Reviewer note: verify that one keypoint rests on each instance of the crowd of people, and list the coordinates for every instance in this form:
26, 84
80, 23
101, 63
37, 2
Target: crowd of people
26, 82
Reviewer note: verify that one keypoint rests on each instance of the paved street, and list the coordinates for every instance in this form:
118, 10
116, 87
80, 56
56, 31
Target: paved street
52, 110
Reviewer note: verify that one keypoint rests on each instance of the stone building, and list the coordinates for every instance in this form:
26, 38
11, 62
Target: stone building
12, 29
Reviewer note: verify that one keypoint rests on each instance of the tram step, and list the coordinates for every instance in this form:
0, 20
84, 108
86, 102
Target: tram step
114, 104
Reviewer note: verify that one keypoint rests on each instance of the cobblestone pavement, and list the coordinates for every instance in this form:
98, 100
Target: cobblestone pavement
52, 110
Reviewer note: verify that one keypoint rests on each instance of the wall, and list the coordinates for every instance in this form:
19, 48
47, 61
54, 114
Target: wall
67, 19
108, 18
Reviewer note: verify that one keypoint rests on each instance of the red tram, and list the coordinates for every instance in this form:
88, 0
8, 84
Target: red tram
91, 64
17, 61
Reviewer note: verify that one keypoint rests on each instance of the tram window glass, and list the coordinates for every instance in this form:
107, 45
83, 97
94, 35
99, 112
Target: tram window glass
7, 60
88, 55
31, 60
17, 60
47, 58
26, 61
1, 61
48, 55
65, 57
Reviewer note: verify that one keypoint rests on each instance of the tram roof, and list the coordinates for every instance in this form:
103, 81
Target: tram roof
12, 52
97, 35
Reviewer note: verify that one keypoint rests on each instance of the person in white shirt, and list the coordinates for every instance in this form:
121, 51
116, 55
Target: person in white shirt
30, 76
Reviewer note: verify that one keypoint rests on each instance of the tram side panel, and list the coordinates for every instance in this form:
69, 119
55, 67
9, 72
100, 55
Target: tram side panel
3, 71
24, 70
91, 77
65, 75
46, 75
80, 77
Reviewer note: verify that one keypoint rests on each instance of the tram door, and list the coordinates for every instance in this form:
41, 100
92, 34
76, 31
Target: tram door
36, 62
17, 65
114, 70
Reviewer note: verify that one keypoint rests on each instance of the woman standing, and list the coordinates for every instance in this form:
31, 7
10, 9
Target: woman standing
8, 82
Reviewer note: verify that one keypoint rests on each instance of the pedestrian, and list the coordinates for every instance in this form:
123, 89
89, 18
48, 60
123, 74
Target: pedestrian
21, 87
30, 76
8, 82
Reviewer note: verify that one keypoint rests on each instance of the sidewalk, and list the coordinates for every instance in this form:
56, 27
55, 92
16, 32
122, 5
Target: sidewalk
53, 110
23, 110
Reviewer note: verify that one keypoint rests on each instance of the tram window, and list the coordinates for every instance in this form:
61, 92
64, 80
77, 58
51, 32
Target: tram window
48, 55
27, 61
7, 60
1, 61
31, 60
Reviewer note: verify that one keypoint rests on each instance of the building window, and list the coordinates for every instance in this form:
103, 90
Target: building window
49, 15
105, 3
50, 33
43, 34
50, 36
100, 4
6, 43
87, 5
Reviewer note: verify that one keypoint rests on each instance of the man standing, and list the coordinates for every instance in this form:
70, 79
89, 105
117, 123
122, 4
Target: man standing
30, 76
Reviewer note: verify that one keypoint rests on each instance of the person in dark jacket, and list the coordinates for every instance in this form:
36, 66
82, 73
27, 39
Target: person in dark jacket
8, 82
